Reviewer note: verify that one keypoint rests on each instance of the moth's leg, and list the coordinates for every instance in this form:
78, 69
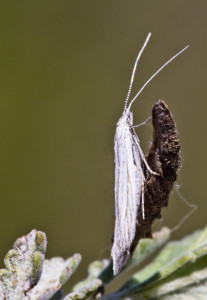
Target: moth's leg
142, 196
143, 123
139, 148
146, 164
143, 157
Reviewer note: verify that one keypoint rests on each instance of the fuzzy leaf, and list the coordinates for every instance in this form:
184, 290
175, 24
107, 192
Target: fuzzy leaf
24, 265
85, 291
56, 272
94, 270
27, 276
88, 286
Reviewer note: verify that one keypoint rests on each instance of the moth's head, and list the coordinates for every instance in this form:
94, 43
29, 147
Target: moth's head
126, 119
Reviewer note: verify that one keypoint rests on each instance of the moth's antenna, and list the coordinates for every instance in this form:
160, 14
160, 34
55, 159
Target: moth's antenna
134, 69
148, 81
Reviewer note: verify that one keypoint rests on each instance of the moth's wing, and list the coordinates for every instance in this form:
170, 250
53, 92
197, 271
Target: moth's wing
127, 196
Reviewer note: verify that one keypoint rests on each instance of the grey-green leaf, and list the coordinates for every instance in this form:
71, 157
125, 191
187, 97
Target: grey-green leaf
179, 268
85, 291
24, 265
56, 272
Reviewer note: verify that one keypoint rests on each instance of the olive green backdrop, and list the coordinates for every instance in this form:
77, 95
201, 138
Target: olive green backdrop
64, 74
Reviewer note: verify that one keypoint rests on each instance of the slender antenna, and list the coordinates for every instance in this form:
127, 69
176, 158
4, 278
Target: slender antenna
134, 69
148, 81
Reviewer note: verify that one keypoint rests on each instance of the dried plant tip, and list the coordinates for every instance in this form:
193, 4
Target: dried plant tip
164, 158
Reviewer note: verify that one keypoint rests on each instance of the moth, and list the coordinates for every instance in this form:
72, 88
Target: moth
130, 179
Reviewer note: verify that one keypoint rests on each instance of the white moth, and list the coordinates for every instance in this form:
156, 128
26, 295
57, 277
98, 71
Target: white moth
129, 176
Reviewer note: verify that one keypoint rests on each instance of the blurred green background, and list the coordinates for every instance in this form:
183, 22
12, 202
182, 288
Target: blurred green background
65, 68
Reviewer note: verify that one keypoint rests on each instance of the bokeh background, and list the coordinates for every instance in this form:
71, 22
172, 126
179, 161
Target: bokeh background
64, 74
